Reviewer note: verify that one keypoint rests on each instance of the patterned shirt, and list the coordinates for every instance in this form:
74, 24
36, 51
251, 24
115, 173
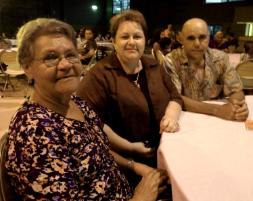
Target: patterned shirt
51, 157
220, 79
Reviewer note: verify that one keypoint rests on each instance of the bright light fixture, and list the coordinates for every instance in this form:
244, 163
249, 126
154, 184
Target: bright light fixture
94, 7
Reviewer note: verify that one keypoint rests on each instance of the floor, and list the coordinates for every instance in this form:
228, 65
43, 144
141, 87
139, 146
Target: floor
12, 99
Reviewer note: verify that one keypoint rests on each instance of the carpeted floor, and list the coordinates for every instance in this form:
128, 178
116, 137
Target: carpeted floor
21, 88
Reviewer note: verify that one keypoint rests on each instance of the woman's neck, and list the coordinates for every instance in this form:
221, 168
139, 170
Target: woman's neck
131, 67
59, 105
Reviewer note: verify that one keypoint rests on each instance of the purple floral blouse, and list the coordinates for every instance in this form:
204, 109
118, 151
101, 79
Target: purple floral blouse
51, 157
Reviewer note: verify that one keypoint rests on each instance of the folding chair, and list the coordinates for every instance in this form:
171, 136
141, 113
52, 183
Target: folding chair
6, 190
8, 57
245, 71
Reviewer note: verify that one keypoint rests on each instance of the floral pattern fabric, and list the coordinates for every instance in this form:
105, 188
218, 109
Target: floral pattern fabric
220, 79
51, 157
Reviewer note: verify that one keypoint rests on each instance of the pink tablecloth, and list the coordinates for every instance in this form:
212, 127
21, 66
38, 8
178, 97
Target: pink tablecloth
209, 159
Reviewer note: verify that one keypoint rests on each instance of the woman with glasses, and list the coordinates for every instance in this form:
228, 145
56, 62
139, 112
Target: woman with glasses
56, 147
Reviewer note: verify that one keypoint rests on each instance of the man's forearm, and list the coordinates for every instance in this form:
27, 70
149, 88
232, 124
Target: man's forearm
192, 105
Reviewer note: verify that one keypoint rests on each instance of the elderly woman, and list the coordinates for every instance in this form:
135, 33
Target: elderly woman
56, 147
134, 96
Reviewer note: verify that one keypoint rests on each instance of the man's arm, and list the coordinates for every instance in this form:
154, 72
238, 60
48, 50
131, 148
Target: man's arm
225, 111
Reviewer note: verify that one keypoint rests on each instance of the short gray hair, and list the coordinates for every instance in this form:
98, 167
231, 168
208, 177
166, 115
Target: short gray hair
30, 31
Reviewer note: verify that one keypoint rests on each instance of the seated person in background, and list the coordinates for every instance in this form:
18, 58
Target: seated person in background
134, 96
158, 35
165, 48
218, 42
201, 73
248, 55
176, 41
57, 149
232, 43
4, 43
87, 45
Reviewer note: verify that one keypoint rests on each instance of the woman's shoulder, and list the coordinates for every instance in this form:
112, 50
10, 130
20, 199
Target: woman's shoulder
89, 113
29, 115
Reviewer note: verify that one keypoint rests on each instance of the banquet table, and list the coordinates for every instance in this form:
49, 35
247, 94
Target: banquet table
209, 159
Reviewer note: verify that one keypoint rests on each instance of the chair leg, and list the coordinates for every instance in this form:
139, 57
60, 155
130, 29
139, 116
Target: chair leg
7, 83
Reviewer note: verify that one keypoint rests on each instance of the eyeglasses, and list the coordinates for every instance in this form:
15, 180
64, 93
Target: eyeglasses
53, 59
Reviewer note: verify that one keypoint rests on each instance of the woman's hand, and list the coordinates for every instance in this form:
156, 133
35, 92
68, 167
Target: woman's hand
150, 186
168, 124
140, 149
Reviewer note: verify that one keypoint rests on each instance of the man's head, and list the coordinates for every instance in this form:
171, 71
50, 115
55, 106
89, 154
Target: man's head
195, 38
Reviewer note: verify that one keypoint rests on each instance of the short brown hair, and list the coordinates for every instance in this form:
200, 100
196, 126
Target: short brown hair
127, 15
30, 31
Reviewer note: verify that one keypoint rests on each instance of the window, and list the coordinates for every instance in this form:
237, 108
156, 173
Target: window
120, 5
222, 1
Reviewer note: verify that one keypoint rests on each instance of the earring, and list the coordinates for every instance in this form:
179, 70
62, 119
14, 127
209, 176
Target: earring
30, 82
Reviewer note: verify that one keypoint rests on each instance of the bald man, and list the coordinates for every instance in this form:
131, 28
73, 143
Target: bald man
200, 73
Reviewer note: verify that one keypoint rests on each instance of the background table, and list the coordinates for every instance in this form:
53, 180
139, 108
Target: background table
209, 159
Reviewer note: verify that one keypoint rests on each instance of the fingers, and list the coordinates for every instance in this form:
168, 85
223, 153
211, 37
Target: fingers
168, 125
141, 148
241, 113
241, 116
162, 189
237, 102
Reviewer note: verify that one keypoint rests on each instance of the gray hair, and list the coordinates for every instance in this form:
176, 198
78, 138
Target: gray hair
30, 31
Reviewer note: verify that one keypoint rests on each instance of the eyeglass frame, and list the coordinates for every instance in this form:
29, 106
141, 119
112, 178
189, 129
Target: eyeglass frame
58, 60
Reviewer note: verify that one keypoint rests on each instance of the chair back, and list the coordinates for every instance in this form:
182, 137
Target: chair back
245, 69
6, 190
247, 82
9, 57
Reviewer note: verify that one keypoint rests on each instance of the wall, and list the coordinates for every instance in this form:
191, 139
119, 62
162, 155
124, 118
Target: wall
164, 12
14, 13
79, 13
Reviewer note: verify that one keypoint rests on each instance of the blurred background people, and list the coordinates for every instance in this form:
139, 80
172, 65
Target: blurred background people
218, 42
248, 52
87, 45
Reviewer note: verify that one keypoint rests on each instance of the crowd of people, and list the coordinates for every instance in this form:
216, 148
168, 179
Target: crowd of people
97, 139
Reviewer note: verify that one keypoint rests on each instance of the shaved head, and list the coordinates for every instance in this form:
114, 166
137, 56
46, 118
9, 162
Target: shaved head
195, 38
195, 23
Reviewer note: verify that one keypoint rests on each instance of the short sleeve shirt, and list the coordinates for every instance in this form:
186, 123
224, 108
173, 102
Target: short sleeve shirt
220, 79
